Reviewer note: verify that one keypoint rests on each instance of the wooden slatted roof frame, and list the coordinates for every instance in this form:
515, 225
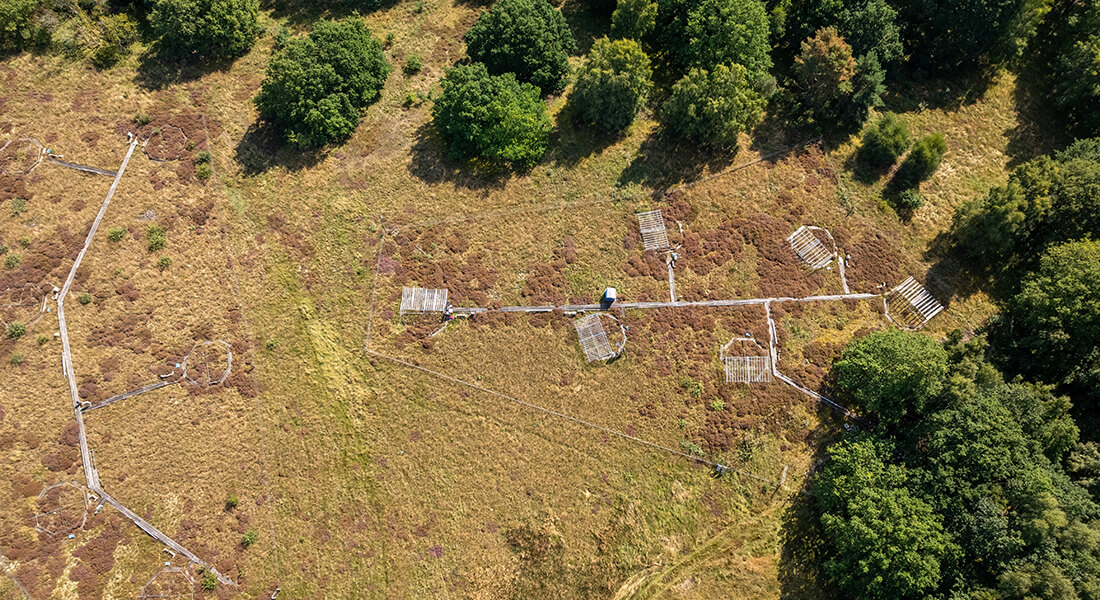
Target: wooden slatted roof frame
912, 306
809, 248
652, 226
419, 301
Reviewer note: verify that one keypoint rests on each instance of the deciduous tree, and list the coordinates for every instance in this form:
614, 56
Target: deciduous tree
613, 83
526, 37
713, 107
216, 29
492, 117
317, 86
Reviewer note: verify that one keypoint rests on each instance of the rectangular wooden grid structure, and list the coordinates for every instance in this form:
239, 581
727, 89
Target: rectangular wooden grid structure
593, 338
748, 369
808, 248
652, 224
912, 305
417, 301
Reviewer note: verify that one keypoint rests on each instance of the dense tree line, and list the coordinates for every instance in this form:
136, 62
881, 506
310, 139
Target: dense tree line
968, 485
1031, 235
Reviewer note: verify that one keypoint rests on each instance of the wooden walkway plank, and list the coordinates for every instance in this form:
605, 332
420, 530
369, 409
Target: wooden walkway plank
91, 475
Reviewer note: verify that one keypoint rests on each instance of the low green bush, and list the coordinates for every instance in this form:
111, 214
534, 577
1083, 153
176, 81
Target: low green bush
157, 240
413, 64
16, 331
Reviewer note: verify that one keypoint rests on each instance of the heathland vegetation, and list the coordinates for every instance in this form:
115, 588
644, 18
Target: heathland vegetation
970, 464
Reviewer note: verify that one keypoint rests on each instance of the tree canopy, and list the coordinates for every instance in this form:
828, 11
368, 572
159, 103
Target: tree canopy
884, 141
317, 86
491, 117
634, 19
724, 32
713, 107
526, 37
952, 36
969, 499
892, 373
215, 29
1056, 318
836, 88
885, 543
613, 83
922, 161
869, 26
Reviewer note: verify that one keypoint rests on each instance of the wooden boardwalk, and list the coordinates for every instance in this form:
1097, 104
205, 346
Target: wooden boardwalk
131, 394
82, 168
576, 308
91, 475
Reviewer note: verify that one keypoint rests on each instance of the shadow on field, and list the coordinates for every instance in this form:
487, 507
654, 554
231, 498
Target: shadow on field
158, 69
664, 160
1037, 129
587, 23
431, 164
803, 549
303, 13
572, 140
261, 148
947, 93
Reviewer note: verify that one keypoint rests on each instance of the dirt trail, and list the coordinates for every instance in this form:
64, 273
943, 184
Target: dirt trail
659, 579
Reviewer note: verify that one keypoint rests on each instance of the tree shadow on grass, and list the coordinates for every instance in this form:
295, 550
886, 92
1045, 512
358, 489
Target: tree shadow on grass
158, 69
262, 148
913, 93
1037, 129
665, 160
585, 24
431, 164
802, 552
303, 13
572, 140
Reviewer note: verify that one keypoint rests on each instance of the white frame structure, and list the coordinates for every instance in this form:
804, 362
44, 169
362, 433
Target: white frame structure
652, 226
809, 248
914, 305
593, 338
745, 368
419, 301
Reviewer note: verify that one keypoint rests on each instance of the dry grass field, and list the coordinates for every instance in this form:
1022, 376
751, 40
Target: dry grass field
361, 476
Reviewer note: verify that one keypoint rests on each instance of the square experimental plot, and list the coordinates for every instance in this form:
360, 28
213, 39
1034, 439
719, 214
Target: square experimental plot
748, 369
652, 226
420, 301
593, 338
809, 248
912, 306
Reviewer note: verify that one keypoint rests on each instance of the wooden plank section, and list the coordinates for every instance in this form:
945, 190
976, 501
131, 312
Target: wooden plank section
130, 394
773, 350
417, 300
91, 477
160, 536
652, 226
593, 338
83, 168
808, 248
574, 308
671, 283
